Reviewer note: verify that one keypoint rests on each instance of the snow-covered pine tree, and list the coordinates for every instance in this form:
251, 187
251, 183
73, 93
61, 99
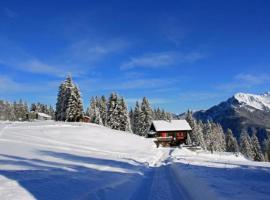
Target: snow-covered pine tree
246, 146
231, 142
191, 121
112, 115
74, 112
158, 114
69, 105
136, 118
103, 110
168, 116
199, 134
208, 136
196, 135
189, 142
154, 114
266, 149
124, 119
131, 117
21, 110
220, 144
258, 155
93, 112
145, 117
60, 113
33, 107
163, 115
51, 112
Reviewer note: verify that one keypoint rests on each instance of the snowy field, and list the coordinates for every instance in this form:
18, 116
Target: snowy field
53, 160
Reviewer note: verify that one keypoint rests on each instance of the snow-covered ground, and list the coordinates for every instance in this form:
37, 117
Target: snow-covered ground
54, 160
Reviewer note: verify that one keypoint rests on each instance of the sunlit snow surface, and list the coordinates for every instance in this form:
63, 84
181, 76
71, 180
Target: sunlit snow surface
53, 160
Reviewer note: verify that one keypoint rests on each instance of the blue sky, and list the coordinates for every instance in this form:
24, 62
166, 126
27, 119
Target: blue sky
180, 54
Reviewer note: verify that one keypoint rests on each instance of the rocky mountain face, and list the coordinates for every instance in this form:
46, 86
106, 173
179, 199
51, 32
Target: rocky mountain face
242, 111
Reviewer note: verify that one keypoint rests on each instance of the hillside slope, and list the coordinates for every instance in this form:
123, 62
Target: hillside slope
54, 160
49, 160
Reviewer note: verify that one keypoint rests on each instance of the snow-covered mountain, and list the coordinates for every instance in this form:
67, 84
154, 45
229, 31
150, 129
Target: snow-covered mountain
260, 102
241, 111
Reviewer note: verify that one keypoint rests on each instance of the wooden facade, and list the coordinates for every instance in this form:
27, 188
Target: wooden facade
86, 119
169, 136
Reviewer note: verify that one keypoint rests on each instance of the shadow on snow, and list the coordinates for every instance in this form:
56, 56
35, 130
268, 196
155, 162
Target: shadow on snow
55, 180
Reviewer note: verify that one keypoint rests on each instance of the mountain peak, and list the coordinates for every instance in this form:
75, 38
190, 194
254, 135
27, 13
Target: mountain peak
260, 102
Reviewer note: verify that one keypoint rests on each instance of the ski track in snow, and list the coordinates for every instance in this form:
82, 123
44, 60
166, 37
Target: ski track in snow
160, 184
52, 161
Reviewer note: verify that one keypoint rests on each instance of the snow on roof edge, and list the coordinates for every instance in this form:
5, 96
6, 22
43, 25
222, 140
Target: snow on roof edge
173, 125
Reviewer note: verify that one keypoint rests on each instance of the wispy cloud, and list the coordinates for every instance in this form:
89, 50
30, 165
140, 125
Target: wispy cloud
78, 58
174, 30
245, 81
88, 50
10, 13
36, 66
162, 59
126, 84
9, 85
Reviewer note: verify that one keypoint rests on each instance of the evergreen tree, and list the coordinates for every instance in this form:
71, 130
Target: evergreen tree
33, 107
7, 111
131, 117
103, 110
196, 134
188, 140
231, 142
136, 119
168, 116
60, 114
112, 115
199, 134
145, 117
258, 155
158, 115
69, 105
51, 112
124, 119
219, 139
246, 146
20, 110
266, 149
93, 112
163, 115
208, 136
191, 122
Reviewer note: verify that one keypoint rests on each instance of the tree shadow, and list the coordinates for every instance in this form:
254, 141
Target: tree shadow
56, 180
92, 160
69, 177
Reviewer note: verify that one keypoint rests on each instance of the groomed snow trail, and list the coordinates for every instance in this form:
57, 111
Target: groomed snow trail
160, 182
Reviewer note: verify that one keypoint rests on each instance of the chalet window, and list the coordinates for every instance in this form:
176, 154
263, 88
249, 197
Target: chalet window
163, 134
180, 135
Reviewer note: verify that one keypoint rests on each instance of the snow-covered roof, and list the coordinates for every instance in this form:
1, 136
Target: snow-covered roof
173, 125
44, 115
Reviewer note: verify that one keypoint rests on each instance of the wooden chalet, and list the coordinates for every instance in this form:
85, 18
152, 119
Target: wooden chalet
169, 133
86, 119
38, 116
